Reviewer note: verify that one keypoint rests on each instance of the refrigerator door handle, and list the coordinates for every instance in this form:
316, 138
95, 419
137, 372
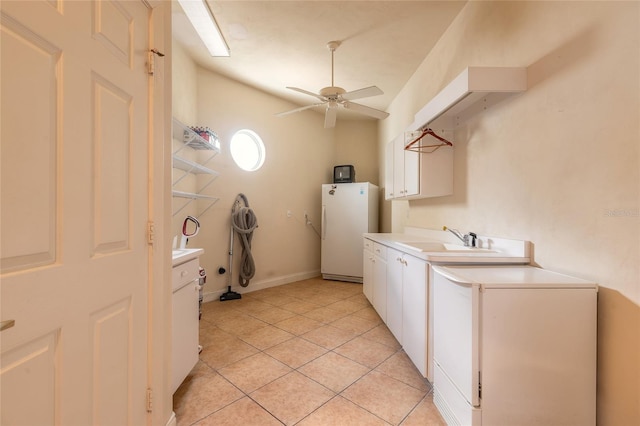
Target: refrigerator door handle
324, 221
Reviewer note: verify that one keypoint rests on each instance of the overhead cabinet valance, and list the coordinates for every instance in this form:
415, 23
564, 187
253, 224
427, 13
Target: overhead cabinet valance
474, 90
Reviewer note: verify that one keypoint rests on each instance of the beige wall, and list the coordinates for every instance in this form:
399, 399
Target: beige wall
356, 144
300, 157
557, 165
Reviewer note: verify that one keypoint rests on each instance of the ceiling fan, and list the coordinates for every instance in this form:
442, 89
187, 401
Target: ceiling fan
335, 97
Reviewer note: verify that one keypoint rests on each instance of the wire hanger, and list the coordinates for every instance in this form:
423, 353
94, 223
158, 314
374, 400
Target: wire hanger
427, 148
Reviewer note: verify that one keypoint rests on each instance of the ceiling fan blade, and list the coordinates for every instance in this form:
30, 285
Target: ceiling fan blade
330, 117
371, 112
280, 114
306, 92
362, 93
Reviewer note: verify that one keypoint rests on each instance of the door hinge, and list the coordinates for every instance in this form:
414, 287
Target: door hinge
151, 60
479, 385
151, 233
149, 400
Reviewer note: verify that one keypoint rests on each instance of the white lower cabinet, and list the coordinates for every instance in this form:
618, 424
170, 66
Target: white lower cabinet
414, 311
367, 270
396, 285
395, 272
380, 280
374, 280
407, 305
185, 305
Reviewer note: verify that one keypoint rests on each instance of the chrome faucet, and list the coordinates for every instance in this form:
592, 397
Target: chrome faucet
464, 238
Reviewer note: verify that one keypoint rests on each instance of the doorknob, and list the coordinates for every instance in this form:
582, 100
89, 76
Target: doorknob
7, 324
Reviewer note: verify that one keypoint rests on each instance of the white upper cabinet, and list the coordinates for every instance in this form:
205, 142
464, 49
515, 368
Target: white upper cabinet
411, 175
415, 168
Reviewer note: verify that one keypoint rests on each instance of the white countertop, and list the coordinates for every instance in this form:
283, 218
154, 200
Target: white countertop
510, 276
443, 247
180, 256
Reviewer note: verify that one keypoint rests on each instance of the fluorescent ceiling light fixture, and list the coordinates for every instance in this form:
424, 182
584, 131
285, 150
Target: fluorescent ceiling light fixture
206, 26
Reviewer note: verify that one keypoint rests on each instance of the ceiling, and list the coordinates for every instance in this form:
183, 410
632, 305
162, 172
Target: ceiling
275, 44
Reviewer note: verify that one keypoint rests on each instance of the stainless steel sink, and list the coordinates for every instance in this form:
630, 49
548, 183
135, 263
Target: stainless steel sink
429, 246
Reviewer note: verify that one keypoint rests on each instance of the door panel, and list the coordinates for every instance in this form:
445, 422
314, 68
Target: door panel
30, 146
28, 375
74, 261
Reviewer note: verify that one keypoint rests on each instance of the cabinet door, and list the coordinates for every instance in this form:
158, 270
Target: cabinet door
388, 172
414, 311
380, 287
395, 267
367, 274
185, 332
398, 166
411, 172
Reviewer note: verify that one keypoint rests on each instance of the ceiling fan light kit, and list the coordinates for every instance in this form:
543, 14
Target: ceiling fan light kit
335, 97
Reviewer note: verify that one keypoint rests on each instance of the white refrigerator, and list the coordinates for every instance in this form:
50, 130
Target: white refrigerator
348, 211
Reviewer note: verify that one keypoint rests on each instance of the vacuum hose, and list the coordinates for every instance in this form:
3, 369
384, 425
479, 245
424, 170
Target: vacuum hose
244, 222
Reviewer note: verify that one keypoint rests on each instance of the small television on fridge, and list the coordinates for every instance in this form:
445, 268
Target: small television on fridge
344, 174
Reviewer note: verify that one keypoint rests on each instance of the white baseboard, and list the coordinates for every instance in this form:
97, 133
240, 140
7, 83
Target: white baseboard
172, 420
260, 285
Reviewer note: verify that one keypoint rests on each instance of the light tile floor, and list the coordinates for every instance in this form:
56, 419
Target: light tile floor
313, 352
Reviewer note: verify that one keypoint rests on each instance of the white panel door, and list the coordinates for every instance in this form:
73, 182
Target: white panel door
74, 211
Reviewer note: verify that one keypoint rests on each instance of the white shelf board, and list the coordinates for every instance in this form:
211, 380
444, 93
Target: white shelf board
191, 166
190, 138
191, 195
475, 85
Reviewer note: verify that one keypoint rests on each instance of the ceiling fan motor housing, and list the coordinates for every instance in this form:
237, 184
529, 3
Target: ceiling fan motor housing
332, 92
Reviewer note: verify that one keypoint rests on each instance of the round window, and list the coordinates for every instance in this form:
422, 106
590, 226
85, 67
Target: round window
247, 150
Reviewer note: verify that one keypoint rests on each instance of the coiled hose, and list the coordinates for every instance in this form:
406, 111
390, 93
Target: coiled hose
244, 222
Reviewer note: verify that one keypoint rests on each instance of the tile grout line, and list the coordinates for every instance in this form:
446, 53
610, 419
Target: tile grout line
306, 298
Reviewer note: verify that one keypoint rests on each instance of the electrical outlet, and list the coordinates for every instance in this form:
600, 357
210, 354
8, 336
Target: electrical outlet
288, 213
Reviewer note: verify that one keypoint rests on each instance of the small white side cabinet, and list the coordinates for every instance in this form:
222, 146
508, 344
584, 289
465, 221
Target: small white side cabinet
185, 301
